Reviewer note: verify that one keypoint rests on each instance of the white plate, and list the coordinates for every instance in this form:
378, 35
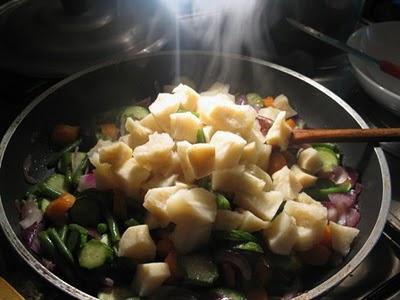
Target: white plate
382, 41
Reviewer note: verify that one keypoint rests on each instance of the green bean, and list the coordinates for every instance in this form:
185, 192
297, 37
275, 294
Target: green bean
62, 248
102, 228
112, 227
46, 190
62, 232
200, 137
79, 171
79, 228
56, 156
64, 163
72, 240
47, 244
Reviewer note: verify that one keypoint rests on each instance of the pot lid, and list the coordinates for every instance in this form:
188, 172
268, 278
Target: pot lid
49, 38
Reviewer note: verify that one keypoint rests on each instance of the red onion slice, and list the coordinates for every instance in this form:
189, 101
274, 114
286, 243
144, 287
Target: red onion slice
237, 260
241, 100
265, 124
353, 217
339, 175
87, 181
29, 236
30, 214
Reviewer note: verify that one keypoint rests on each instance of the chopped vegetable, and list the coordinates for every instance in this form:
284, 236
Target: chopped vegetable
291, 123
276, 162
249, 246
324, 188
198, 269
94, 254
57, 208
329, 158
109, 130
222, 202
72, 240
200, 136
134, 112
131, 222
43, 204
255, 100
64, 134
268, 101
53, 159
60, 245
234, 235
102, 228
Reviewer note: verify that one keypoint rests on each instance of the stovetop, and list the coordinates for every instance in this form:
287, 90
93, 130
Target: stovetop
378, 277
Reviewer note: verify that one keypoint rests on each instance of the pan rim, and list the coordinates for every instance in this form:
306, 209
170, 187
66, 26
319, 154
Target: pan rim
316, 291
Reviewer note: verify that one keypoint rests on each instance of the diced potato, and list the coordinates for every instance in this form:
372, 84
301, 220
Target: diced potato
190, 236
305, 179
218, 88
195, 205
307, 215
285, 182
149, 277
236, 179
309, 160
269, 112
227, 220
201, 158
131, 176
163, 107
281, 235
208, 133
254, 135
260, 173
228, 149
306, 238
160, 181
264, 154
174, 166
187, 169
150, 122
304, 198
124, 139
115, 154
155, 201
264, 205
138, 133
190, 101
225, 115
281, 102
105, 177
342, 237
280, 132
156, 154
249, 154
136, 243
93, 153
252, 223
184, 126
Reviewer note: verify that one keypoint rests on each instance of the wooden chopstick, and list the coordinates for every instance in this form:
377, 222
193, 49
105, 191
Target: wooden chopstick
301, 136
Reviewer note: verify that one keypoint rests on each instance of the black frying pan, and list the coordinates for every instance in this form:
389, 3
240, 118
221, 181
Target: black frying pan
103, 87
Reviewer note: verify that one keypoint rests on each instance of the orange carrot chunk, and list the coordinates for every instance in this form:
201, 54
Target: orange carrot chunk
268, 101
327, 237
109, 130
64, 134
58, 208
291, 123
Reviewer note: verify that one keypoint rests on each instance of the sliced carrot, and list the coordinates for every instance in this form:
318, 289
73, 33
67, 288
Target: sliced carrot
291, 123
268, 101
64, 134
327, 237
257, 294
172, 262
276, 162
164, 246
109, 130
119, 204
57, 208
317, 256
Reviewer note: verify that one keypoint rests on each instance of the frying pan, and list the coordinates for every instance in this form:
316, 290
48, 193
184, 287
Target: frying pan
121, 82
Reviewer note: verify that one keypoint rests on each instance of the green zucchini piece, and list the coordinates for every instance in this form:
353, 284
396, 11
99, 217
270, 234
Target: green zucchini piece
85, 212
250, 247
255, 100
222, 202
198, 269
57, 182
234, 235
64, 163
135, 112
45, 190
94, 254
329, 158
200, 138
330, 146
43, 203
226, 294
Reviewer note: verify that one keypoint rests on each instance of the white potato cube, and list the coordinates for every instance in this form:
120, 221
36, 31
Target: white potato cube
132, 175
163, 107
201, 158
306, 238
138, 133
342, 237
285, 182
307, 215
281, 235
105, 177
115, 154
228, 149
264, 205
260, 173
249, 154
281, 102
280, 132
136, 243
150, 122
195, 205
156, 154
208, 133
186, 167
304, 198
149, 277
216, 89
93, 153
236, 179
264, 153
227, 219
305, 179
188, 237
309, 160
190, 101
252, 223
160, 181
269, 112
184, 126
155, 201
